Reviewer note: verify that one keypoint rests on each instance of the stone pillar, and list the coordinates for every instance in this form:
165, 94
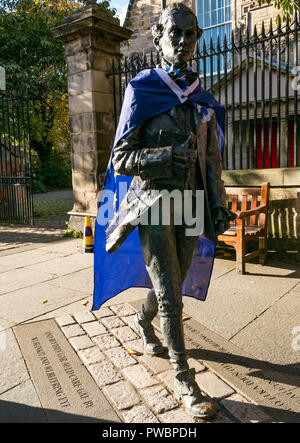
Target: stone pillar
92, 40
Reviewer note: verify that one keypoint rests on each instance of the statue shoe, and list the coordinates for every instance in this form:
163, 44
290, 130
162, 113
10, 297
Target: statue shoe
152, 344
188, 393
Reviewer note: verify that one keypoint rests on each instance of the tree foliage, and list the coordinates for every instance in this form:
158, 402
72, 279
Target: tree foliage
35, 62
286, 8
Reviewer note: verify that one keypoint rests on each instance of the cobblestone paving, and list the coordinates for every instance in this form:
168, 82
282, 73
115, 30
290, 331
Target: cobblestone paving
139, 387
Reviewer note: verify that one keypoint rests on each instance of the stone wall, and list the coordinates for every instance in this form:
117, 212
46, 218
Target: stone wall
92, 41
250, 13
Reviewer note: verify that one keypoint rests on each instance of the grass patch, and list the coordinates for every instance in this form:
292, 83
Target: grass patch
72, 232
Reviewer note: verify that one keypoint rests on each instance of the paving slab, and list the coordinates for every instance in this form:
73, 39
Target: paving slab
122, 395
106, 341
81, 342
157, 363
103, 312
123, 310
195, 364
105, 373
120, 357
5, 324
13, 280
167, 378
94, 328
139, 376
5, 268
21, 404
177, 416
81, 280
13, 369
222, 267
112, 322
12, 304
65, 245
213, 385
65, 320
31, 257
64, 265
234, 314
243, 410
159, 399
139, 414
72, 330
124, 333
91, 355
84, 317
221, 418
66, 390
297, 287
129, 320
275, 335
234, 300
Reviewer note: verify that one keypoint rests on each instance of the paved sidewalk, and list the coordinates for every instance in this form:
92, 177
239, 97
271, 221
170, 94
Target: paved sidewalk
50, 214
257, 312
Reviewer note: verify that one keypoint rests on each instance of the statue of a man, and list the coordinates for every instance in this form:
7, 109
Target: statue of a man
177, 148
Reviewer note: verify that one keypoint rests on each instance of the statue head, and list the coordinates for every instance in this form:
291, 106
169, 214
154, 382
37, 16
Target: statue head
176, 33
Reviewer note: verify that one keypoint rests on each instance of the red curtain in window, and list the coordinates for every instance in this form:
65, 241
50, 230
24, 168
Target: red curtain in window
259, 163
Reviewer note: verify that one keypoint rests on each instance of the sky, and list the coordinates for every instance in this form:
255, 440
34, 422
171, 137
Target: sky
121, 7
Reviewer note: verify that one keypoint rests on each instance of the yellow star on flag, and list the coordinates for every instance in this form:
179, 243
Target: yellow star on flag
115, 174
115, 198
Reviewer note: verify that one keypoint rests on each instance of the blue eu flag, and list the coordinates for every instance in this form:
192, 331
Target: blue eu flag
148, 94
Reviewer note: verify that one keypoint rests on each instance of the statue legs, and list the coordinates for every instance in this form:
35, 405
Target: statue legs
168, 254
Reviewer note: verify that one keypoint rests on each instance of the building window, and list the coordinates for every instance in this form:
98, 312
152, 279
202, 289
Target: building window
214, 17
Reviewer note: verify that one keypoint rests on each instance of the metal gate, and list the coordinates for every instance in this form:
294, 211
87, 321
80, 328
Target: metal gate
16, 203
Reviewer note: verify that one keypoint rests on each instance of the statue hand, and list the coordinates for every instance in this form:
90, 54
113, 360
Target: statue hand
183, 156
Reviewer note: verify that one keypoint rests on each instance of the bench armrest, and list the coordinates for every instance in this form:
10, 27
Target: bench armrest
257, 210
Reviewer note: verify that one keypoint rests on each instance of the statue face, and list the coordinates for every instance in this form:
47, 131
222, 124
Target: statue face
179, 39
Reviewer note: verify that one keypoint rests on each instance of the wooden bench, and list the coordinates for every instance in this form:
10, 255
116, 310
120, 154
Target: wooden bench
251, 223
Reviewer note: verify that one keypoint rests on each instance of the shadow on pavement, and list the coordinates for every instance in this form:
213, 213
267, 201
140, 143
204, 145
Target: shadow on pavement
253, 415
11, 412
289, 374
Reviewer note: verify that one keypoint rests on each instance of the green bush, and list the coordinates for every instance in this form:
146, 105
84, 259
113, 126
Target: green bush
55, 173
72, 232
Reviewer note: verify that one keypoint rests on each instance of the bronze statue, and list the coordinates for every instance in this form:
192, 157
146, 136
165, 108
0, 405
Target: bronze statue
176, 149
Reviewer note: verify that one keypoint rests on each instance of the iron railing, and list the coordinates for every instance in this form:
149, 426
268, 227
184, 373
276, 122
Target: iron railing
255, 78
16, 204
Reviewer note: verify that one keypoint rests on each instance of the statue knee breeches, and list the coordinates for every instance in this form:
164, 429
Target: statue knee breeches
160, 250
169, 304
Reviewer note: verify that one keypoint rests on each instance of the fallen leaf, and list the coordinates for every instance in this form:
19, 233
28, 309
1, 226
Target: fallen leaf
186, 317
45, 301
132, 351
85, 302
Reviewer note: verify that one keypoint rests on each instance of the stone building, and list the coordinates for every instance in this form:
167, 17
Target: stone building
215, 17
